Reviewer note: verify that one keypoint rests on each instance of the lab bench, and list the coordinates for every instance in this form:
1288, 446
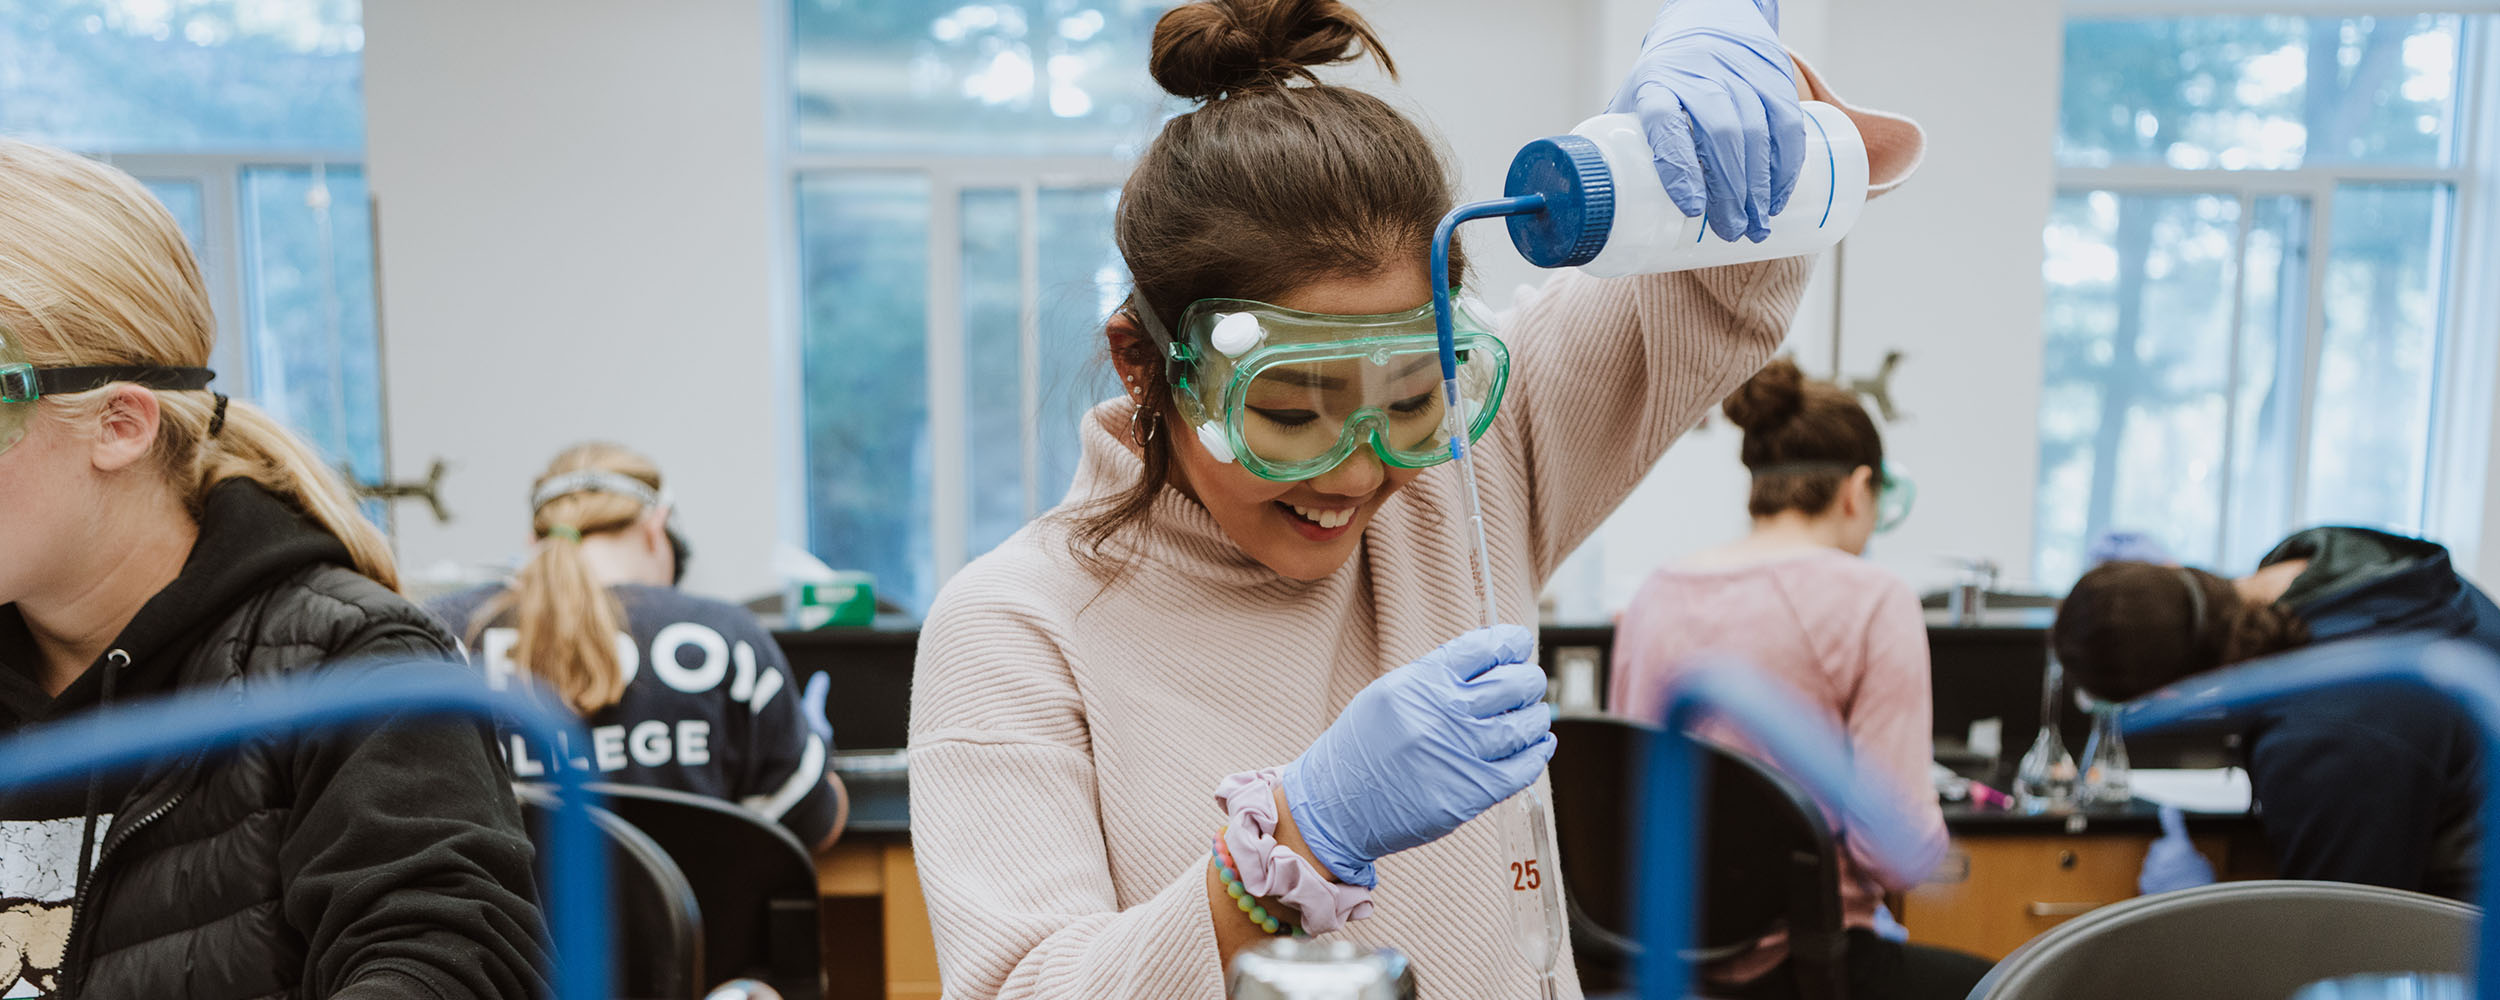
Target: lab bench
2006, 878
876, 925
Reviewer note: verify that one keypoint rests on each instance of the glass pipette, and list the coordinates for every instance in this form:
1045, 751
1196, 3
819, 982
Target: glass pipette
1536, 910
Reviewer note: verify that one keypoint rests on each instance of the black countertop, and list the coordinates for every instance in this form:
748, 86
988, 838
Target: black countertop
1978, 672
880, 786
2137, 816
880, 790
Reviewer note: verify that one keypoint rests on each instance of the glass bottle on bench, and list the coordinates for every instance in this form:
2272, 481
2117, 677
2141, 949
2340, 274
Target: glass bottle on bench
2045, 780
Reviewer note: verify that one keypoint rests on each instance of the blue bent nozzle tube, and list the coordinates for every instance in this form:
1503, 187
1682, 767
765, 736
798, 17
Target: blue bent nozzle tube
2466, 673
1805, 747
1454, 415
204, 720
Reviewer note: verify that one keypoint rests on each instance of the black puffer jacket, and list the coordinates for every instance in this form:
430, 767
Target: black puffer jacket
383, 862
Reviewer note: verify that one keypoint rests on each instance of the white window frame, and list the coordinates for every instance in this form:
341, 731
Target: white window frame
2459, 453
220, 180
950, 519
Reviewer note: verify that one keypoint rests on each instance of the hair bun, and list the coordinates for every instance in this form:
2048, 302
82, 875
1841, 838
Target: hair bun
1769, 398
1210, 48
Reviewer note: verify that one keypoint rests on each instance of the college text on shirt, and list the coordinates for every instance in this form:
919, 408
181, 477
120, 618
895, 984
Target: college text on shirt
651, 742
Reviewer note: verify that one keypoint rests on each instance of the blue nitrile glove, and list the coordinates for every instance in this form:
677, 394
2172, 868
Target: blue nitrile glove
812, 706
1718, 97
2172, 861
1425, 748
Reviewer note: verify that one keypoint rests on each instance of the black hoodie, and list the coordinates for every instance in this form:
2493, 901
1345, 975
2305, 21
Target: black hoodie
381, 863
2376, 785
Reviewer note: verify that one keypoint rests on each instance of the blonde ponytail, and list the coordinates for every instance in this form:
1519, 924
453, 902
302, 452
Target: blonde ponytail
567, 622
94, 271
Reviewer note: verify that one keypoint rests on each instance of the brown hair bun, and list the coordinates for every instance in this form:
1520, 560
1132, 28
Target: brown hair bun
1770, 398
1212, 48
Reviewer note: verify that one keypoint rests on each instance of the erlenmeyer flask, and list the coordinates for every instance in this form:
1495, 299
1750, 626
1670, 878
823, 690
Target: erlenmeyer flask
2045, 780
2105, 775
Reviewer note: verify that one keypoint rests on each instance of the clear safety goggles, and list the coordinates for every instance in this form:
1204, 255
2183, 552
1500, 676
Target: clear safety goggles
22, 384
1290, 394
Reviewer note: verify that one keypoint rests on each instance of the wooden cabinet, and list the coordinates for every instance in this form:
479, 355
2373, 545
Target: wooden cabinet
1992, 893
884, 871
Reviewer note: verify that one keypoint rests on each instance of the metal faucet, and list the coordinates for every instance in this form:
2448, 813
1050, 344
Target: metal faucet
1968, 600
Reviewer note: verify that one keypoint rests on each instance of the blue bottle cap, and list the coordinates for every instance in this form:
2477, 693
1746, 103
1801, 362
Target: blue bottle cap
1579, 201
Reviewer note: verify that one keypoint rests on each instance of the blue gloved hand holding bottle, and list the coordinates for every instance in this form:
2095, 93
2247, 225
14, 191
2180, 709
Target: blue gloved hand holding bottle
1717, 95
1423, 749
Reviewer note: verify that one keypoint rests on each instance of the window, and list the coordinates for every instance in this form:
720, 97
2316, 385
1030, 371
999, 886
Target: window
2250, 269
246, 118
955, 167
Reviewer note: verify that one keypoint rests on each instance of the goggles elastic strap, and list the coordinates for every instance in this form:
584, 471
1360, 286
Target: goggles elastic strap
594, 481
26, 383
1802, 467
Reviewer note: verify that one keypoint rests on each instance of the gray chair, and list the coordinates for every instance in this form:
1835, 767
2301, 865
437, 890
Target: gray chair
2236, 941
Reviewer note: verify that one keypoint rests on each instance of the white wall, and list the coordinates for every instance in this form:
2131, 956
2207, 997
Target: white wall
578, 235
1454, 59
1949, 270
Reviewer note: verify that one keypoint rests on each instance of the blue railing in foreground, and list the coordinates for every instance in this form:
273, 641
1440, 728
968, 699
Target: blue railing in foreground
2464, 672
130, 735
1806, 747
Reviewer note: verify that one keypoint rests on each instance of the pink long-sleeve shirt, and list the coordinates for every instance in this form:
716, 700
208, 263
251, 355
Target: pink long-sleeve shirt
1840, 631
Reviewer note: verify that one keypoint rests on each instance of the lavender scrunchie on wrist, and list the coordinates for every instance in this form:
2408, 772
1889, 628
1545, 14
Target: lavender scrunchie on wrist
1271, 870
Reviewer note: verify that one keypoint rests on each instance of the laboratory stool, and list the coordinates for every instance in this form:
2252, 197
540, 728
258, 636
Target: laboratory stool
2237, 941
755, 883
1769, 858
658, 925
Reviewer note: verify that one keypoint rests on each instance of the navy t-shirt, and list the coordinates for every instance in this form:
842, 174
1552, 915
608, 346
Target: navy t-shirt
709, 706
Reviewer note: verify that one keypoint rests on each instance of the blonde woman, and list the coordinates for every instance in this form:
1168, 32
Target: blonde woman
680, 692
156, 536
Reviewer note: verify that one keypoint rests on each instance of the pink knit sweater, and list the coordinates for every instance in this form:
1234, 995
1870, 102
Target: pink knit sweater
1067, 736
1842, 633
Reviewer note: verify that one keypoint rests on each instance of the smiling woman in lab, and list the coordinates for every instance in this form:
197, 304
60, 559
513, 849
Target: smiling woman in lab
2375, 786
1230, 688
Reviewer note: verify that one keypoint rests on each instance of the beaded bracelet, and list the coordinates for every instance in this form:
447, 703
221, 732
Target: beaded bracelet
1248, 904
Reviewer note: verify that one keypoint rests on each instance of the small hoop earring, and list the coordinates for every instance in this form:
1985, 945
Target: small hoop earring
1141, 429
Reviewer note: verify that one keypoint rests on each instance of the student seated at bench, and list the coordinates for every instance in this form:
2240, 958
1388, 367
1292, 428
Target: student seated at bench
678, 691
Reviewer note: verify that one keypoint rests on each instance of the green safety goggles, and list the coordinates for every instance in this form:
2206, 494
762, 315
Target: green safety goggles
1290, 394
1893, 500
22, 384
1895, 491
